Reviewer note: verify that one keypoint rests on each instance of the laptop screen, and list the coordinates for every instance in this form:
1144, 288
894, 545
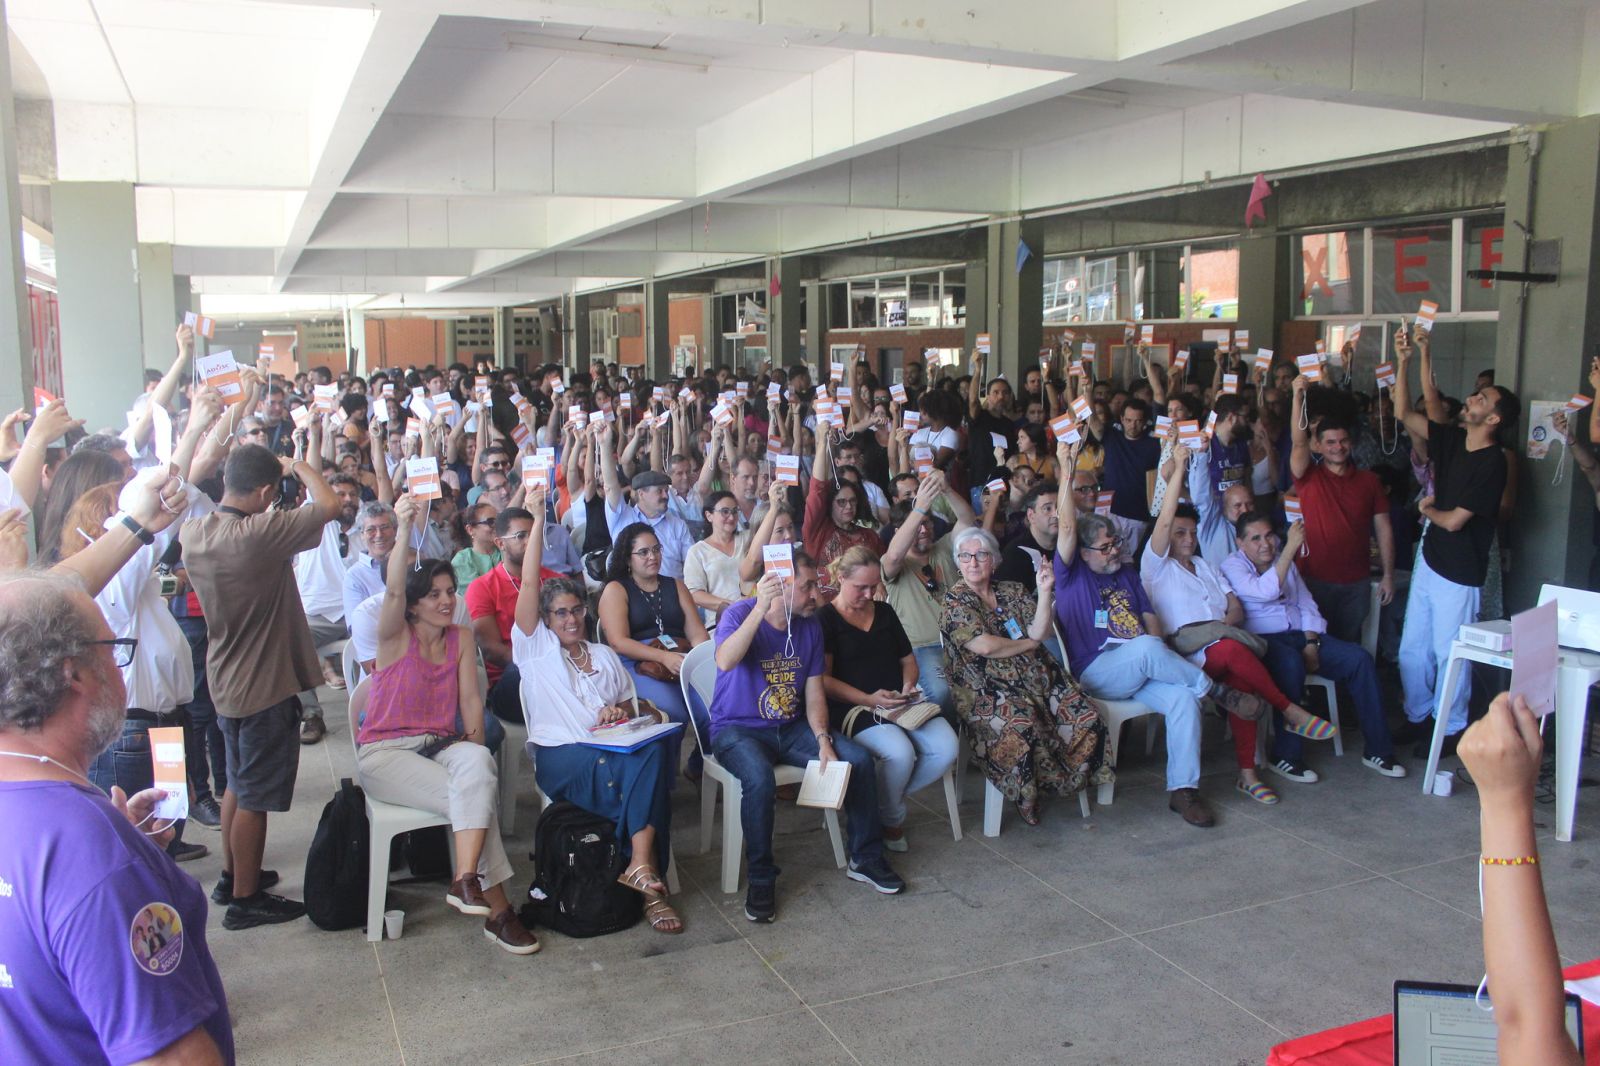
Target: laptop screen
1440, 1025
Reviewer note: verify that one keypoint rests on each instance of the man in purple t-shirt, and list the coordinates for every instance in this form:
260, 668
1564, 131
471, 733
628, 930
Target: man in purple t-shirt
103, 955
1114, 646
768, 708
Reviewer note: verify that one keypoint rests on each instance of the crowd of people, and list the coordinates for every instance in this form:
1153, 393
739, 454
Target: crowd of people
967, 559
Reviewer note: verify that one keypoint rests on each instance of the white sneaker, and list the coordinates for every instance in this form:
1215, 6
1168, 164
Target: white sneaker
1384, 765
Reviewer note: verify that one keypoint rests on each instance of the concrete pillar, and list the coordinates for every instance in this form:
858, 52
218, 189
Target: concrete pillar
578, 332
1014, 298
657, 330
504, 352
1546, 335
783, 312
818, 320
1264, 289
159, 305
16, 321
977, 320
356, 340
97, 276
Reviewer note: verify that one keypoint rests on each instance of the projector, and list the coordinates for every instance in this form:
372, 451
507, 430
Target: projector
1493, 636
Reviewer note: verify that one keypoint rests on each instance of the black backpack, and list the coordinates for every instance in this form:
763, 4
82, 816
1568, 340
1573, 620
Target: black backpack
336, 865
576, 864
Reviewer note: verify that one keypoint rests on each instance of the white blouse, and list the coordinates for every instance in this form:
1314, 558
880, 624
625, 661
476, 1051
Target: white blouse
1181, 597
560, 704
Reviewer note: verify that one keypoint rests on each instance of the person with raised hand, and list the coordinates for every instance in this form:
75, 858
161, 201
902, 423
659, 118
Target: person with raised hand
572, 686
1502, 752
26, 476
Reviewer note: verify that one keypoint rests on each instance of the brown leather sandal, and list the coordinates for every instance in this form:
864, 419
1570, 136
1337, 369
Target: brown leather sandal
660, 914
645, 881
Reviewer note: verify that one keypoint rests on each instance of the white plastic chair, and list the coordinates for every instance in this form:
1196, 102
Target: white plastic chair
385, 821
352, 668
1327, 688
700, 675
1115, 713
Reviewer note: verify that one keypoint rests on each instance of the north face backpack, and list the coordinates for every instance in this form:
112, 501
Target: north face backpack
336, 865
576, 864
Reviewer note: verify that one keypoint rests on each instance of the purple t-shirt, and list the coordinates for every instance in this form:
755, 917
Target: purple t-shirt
103, 953
1230, 465
768, 687
1096, 611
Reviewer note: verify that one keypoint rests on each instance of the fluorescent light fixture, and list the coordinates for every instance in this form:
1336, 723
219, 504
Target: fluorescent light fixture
632, 53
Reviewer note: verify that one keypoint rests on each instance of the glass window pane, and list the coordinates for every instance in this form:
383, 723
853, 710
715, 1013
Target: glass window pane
1158, 280
1213, 275
1063, 290
1410, 264
924, 308
892, 301
1485, 244
863, 304
1329, 275
954, 312
1103, 288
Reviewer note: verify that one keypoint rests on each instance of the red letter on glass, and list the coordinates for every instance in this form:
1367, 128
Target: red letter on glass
1403, 262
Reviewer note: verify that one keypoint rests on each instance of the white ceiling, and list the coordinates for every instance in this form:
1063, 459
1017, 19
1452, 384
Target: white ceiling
409, 147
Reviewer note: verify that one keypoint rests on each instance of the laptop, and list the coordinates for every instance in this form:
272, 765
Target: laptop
1438, 1024
1577, 616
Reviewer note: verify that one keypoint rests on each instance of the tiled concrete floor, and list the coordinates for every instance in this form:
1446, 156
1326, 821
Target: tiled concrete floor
1126, 938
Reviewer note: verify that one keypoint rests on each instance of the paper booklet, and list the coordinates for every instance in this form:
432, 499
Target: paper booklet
824, 789
625, 737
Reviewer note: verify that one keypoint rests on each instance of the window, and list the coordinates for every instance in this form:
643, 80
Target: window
923, 311
864, 304
1102, 289
1482, 248
1158, 280
953, 304
1410, 264
1211, 281
1331, 272
892, 296
1063, 290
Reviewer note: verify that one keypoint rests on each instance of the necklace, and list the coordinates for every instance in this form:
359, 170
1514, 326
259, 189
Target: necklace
42, 759
582, 665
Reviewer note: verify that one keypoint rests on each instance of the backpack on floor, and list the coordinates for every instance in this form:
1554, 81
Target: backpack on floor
576, 864
336, 865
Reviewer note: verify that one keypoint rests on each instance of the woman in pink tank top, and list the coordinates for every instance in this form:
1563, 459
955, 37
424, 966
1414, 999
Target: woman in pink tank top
420, 739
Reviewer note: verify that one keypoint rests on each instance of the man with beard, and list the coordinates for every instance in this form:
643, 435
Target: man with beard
1344, 509
88, 869
1228, 460
769, 708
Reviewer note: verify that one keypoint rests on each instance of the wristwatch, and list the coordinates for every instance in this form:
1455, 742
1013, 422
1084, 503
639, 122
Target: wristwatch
1314, 640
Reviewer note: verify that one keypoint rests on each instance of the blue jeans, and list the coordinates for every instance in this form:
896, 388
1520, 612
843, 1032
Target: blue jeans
1145, 669
1339, 661
750, 752
1436, 609
504, 698
668, 699
202, 741
126, 763
931, 676
908, 761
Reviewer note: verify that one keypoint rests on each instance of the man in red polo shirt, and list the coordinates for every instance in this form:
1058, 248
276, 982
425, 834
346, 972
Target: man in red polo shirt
1343, 507
492, 603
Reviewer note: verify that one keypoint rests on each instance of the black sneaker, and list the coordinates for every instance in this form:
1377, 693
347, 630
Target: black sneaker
1294, 770
207, 812
761, 903
263, 908
222, 895
183, 851
879, 876
1412, 732
1384, 765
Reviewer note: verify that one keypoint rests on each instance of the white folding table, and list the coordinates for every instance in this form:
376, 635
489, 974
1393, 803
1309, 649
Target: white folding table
1578, 671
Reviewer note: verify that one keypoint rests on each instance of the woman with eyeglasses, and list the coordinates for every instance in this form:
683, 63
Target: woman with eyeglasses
481, 555
651, 622
711, 566
1033, 729
157, 666
833, 514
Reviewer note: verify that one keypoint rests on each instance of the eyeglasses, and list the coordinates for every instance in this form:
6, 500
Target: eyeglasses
725, 511
496, 465
1110, 547
517, 536
259, 431
563, 613
482, 522
972, 557
121, 649
648, 551
384, 530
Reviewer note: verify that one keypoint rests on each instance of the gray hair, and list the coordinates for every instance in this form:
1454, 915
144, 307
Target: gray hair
558, 586
373, 509
105, 441
41, 630
1090, 526
971, 533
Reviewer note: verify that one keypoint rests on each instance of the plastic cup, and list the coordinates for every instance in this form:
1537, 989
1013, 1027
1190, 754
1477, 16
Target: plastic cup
393, 923
1444, 783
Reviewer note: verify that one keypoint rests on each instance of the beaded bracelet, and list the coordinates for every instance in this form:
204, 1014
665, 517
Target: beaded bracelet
1524, 860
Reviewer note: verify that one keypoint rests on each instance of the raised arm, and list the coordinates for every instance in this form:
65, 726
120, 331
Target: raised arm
392, 628
1582, 453
527, 615
1066, 505
1161, 536
608, 468
895, 556
154, 507
27, 472
1432, 398
1416, 422
975, 390
752, 564
1299, 430
164, 391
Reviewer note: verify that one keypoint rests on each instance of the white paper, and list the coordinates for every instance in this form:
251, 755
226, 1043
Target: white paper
1535, 657
824, 788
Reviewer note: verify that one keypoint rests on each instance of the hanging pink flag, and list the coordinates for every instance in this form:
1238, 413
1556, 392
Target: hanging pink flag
1256, 208
773, 287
